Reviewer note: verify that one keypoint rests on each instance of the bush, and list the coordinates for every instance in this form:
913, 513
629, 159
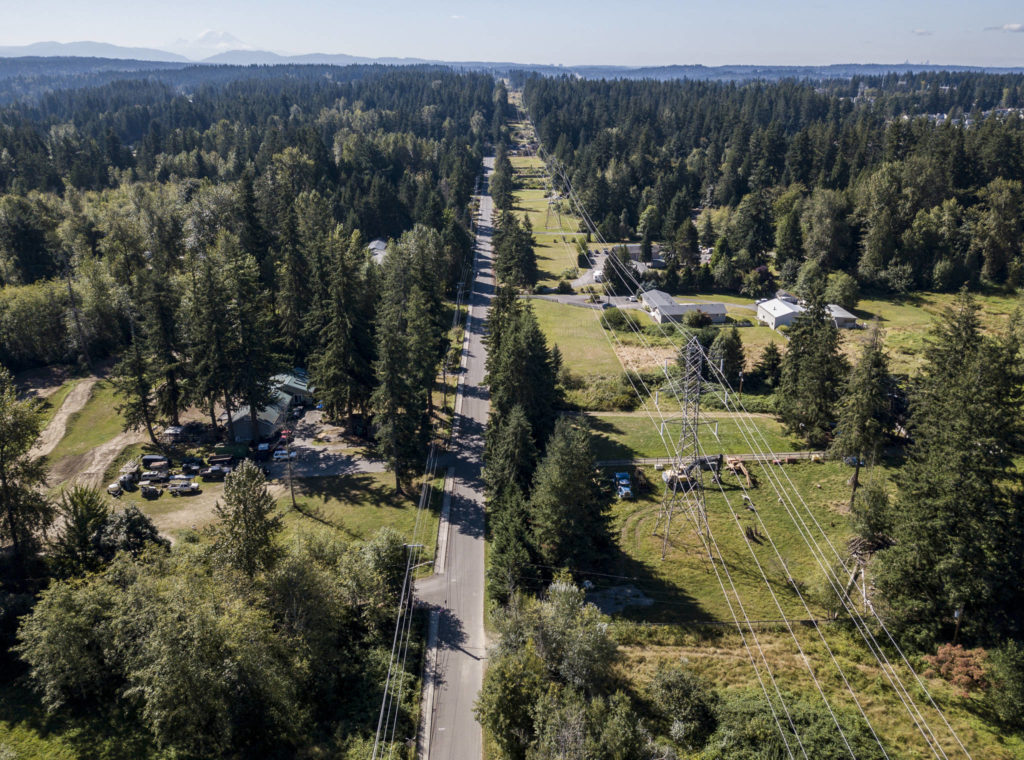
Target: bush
618, 319
696, 319
1006, 679
564, 287
963, 668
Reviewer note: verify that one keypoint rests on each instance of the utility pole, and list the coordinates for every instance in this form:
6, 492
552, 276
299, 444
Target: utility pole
686, 460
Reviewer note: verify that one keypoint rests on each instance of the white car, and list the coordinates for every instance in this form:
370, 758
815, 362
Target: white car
282, 455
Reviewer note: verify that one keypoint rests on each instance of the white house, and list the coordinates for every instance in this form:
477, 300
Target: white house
714, 311
663, 307
776, 312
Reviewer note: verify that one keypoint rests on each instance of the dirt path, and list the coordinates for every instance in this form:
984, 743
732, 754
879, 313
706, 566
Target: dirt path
54, 432
87, 469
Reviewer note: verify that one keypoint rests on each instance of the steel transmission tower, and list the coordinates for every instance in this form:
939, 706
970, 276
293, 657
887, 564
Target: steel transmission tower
684, 484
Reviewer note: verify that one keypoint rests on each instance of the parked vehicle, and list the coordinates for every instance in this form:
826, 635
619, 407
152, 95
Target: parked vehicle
215, 472
127, 482
283, 455
155, 462
624, 485
150, 491
114, 489
159, 476
130, 470
183, 489
222, 460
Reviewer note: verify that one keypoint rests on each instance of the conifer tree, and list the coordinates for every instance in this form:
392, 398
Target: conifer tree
566, 506
769, 366
132, 381
864, 412
512, 455
957, 518
726, 353
813, 372
246, 537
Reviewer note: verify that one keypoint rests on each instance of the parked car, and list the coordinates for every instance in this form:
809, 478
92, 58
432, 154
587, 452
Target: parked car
183, 489
158, 476
150, 491
282, 455
624, 485
114, 489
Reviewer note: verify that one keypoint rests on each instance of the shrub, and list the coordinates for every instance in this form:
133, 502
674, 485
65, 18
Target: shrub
617, 319
564, 287
696, 319
963, 668
1006, 678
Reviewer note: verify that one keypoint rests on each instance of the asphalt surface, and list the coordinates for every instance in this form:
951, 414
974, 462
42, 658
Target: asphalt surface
456, 590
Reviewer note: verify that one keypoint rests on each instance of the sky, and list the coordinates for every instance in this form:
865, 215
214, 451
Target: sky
571, 32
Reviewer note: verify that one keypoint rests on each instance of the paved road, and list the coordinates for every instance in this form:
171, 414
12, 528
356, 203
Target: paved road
456, 590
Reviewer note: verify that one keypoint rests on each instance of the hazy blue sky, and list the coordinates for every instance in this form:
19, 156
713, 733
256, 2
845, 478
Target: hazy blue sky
986, 32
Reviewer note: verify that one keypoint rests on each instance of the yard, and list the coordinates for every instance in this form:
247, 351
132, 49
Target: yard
579, 336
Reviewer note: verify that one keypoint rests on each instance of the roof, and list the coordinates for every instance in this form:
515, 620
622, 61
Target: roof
662, 301
292, 384
379, 244
778, 308
705, 308
838, 312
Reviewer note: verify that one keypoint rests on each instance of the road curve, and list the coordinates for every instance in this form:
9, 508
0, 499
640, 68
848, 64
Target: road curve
455, 593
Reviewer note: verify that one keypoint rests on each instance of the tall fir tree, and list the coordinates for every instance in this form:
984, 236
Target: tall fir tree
813, 373
957, 520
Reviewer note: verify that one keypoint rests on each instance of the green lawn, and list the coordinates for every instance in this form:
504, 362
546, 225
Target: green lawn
95, 424
684, 586
621, 435
906, 321
579, 336
358, 505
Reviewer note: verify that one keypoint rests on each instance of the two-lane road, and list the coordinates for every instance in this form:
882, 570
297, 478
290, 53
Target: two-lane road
456, 590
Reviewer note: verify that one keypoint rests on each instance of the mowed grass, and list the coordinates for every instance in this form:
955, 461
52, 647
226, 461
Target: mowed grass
358, 505
907, 320
579, 336
634, 435
685, 587
95, 424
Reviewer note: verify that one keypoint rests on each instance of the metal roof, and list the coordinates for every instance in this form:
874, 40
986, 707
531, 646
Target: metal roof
777, 307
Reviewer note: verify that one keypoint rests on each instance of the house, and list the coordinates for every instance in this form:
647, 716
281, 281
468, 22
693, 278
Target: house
785, 295
776, 312
296, 385
662, 306
841, 317
713, 311
270, 420
634, 250
378, 249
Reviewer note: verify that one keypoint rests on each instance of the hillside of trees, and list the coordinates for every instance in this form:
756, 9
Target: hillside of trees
903, 182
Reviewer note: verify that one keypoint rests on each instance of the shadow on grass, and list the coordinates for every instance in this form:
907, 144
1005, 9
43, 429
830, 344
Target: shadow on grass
110, 734
603, 442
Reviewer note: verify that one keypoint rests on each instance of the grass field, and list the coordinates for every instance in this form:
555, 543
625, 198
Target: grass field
579, 336
95, 424
633, 435
357, 506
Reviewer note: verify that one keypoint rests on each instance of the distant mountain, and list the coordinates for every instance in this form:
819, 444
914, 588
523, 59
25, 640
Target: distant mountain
88, 50
209, 43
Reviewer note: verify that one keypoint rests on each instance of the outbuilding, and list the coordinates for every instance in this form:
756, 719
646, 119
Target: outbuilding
776, 312
843, 319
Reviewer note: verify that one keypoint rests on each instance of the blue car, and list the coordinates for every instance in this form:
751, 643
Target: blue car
624, 485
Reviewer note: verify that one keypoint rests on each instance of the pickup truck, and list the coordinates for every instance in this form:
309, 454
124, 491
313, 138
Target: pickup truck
182, 488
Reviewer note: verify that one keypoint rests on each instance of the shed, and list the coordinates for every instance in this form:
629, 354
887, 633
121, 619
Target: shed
841, 317
777, 312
